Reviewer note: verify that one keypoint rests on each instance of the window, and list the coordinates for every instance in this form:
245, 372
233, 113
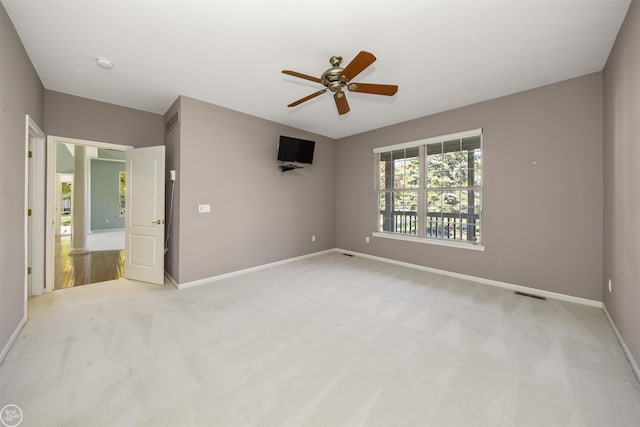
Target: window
432, 188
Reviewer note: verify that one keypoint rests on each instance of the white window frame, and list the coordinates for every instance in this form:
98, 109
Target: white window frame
421, 237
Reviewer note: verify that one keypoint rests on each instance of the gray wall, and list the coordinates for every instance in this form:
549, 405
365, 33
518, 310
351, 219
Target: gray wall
21, 93
105, 194
172, 147
259, 214
621, 179
74, 117
541, 222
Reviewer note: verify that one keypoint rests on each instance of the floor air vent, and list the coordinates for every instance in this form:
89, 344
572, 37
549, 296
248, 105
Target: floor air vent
524, 294
347, 255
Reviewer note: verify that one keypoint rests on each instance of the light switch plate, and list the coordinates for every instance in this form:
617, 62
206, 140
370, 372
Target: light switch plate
204, 208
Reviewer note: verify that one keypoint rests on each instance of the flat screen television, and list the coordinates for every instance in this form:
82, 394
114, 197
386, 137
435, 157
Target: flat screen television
295, 150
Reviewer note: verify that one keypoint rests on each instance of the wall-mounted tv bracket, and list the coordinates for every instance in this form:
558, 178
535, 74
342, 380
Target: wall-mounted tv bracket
289, 167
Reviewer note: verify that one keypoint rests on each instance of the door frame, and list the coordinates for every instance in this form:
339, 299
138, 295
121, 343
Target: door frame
52, 141
34, 194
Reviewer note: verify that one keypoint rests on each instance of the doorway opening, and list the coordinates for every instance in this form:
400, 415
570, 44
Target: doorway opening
86, 208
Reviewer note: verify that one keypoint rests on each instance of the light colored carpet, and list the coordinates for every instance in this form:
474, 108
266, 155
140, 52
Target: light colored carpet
327, 341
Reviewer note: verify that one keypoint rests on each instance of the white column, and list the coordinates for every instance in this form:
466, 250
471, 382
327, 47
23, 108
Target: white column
79, 203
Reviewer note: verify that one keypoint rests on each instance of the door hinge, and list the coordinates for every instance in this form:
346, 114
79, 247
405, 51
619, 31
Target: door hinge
28, 270
28, 212
30, 154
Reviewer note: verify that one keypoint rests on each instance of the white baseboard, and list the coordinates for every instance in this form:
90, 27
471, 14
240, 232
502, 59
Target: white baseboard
481, 280
625, 348
245, 271
171, 280
12, 339
490, 282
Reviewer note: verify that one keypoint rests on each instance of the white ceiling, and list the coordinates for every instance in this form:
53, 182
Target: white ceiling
442, 54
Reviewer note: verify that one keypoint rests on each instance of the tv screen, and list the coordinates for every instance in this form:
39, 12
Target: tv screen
295, 150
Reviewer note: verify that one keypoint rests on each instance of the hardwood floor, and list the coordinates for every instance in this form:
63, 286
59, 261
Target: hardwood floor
83, 269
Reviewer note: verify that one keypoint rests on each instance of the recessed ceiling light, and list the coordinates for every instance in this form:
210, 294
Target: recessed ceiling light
104, 63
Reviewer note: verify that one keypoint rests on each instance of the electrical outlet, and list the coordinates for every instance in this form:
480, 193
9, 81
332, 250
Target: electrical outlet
313, 238
367, 239
204, 208
609, 285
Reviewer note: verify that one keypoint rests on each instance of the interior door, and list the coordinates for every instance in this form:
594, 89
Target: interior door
144, 214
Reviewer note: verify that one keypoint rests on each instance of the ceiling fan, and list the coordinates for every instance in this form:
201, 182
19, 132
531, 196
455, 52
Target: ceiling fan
337, 78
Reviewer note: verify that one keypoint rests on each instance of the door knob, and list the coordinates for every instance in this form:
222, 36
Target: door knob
158, 221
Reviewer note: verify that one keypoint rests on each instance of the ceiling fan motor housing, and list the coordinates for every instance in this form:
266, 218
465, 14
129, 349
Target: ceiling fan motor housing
331, 79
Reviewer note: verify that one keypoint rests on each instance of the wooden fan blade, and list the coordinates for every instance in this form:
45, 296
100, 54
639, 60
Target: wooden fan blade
306, 98
341, 103
388, 90
359, 63
302, 76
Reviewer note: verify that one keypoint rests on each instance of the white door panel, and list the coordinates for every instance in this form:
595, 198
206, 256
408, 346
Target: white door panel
144, 215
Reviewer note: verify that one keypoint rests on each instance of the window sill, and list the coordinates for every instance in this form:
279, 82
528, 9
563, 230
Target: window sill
428, 241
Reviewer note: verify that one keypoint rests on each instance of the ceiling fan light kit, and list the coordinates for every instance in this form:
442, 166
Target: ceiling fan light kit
336, 78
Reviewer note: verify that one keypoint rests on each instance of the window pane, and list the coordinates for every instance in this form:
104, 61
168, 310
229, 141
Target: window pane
449, 226
397, 154
435, 148
386, 172
434, 228
466, 175
381, 200
471, 143
434, 201
451, 146
385, 219
412, 181
434, 179
404, 212
412, 172
464, 198
454, 160
412, 152
472, 233
477, 159
406, 201
476, 199
434, 162
449, 177
477, 176
450, 200
398, 167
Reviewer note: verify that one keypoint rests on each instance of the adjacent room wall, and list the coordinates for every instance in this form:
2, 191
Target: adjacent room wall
621, 178
542, 190
75, 117
21, 92
105, 194
64, 159
258, 213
